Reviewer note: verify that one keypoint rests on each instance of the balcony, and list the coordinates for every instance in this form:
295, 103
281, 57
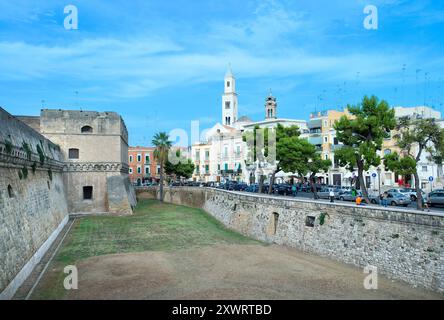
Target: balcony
227, 172
316, 140
314, 124
334, 147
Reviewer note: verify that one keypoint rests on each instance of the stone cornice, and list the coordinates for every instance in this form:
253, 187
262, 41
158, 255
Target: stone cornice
95, 167
17, 157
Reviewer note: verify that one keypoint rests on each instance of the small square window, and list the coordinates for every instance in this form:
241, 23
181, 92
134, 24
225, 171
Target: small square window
73, 153
87, 193
309, 221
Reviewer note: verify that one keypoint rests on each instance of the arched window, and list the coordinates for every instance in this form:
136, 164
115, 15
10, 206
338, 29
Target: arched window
87, 129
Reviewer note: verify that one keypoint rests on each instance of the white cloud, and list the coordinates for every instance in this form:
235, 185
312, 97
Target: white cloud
257, 47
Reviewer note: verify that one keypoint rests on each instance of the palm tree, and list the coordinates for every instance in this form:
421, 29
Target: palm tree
163, 144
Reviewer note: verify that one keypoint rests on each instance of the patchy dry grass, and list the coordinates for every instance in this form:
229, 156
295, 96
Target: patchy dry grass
155, 226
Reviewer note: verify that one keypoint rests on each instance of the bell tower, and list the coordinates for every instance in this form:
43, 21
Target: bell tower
229, 99
270, 107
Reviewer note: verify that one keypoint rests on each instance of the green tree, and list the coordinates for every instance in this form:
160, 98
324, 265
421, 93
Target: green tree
258, 149
283, 135
299, 156
163, 144
416, 137
181, 168
363, 135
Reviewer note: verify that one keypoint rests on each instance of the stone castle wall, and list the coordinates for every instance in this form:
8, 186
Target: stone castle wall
103, 157
404, 245
32, 199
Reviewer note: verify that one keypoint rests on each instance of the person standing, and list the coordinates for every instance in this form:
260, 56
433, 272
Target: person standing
294, 190
358, 200
332, 196
384, 199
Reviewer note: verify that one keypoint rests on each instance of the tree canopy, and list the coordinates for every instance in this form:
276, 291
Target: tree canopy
362, 135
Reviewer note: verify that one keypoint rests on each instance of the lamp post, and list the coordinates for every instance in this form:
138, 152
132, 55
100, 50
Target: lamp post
379, 179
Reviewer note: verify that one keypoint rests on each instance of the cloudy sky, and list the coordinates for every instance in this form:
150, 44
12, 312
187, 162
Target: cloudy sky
161, 64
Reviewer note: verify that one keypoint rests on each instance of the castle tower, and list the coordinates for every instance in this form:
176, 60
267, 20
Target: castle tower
229, 99
270, 107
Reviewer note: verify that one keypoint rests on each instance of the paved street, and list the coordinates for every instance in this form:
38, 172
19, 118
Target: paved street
412, 206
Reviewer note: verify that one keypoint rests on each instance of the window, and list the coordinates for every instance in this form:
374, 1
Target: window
336, 142
207, 168
226, 166
325, 123
130, 158
139, 157
238, 150
147, 170
275, 220
139, 169
73, 153
207, 155
10, 192
309, 221
147, 158
424, 168
131, 170
197, 155
326, 157
87, 193
158, 169
325, 139
87, 129
227, 104
228, 84
225, 151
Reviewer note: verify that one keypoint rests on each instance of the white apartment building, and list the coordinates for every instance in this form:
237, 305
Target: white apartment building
223, 153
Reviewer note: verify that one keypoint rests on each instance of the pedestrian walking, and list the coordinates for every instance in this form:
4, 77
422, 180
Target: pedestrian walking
332, 196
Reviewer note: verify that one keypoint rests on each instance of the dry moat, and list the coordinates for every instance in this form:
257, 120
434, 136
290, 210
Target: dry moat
166, 251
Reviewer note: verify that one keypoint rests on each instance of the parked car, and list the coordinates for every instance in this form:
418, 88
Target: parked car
398, 199
348, 196
283, 189
240, 186
436, 198
411, 193
325, 193
252, 188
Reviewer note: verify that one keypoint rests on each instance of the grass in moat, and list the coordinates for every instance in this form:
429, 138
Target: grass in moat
155, 226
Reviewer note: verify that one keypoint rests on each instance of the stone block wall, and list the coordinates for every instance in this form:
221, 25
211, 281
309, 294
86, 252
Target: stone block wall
32, 199
404, 245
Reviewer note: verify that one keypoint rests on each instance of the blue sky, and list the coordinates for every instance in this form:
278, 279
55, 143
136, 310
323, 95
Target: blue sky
160, 64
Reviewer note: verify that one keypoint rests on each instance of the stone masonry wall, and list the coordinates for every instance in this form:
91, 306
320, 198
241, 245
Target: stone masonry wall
404, 245
31, 206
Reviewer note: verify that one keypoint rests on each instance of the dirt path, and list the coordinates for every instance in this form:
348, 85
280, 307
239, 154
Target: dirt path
230, 272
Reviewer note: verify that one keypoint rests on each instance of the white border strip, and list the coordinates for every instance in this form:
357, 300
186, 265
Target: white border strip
24, 273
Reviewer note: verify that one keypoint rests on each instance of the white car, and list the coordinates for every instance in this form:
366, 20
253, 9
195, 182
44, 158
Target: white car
409, 192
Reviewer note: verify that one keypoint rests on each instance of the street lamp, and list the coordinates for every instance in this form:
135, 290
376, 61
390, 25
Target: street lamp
379, 179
